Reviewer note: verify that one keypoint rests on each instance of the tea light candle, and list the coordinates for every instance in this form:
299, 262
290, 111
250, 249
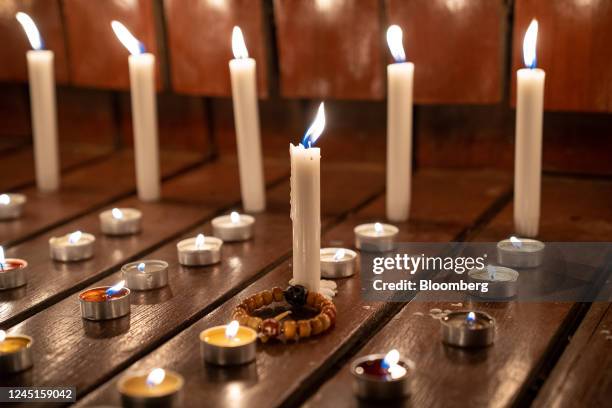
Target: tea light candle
520, 253
382, 376
145, 275
105, 302
337, 262
11, 206
375, 237
156, 388
15, 353
230, 344
12, 272
199, 251
76, 246
501, 282
233, 227
468, 329
120, 221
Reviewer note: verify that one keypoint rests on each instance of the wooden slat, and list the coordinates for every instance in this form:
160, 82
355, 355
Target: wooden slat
199, 43
269, 383
84, 189
456, 46
584, 373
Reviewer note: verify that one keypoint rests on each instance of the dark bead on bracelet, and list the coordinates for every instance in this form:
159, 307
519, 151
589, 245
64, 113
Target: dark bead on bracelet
296, 295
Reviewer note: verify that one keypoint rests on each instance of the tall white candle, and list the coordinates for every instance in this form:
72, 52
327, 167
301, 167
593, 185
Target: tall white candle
528, 153
399, 128
144, 114
306, 205
246, 119
43, 107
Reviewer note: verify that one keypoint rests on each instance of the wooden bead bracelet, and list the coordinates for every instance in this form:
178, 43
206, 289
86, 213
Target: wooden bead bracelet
297, 296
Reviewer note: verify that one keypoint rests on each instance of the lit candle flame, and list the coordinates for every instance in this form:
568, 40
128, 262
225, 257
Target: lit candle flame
517, 243
529, 44
470, 318
232, 329
316, 129
117, 213
199, 242
156, 377
128, 40
238, 45
491, 270
5, 199
339, 254
113, 290
394, 40
390, 362
31, 30
75, 237
378, 228
2, 259
2, 335
235, 217
141, 267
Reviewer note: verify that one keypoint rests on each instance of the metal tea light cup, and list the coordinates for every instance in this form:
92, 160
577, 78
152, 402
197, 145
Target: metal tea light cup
189, 255
11, 206
502, 284
520, 252
62, 251
130, 397
334, 267
225, 355
368, 240
129, 223
105, 309
19, 359
456, 332
229, 231
154, 275
374, 388
14, 277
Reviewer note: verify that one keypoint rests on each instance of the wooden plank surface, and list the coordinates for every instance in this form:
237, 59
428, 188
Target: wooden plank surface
281, 369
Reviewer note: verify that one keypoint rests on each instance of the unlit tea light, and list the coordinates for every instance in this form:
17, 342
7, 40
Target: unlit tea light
337, 262
105, 302
468, 329
76, 246
501, 282
145, 275
375, 237
382, 376
230, 344
11, 206
233, 227
12, 272
156, 388
199, 251
15, 352
520, 252
120, 221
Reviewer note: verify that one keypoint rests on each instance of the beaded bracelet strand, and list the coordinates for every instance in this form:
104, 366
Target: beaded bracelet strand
297, 296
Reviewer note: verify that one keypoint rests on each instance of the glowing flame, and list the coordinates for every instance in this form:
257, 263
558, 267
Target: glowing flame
199, 243
529, 44
394, 40
156, 377
517, 243
141, 267
5, 199
316, 129
2, 259
470, 318
75, 237
378, 228
238, 46
117, 213
232, 329
235, 217
31, 30
339, 254
130, 42
491, 270
390, 362
2, 335
113, 290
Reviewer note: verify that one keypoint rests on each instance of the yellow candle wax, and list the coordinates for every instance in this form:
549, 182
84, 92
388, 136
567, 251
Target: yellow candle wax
216, 336
136, 385
13, 344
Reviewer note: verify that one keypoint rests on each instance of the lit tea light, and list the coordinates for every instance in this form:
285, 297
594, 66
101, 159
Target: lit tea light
76, 246
337, 262
15, 352
501, 282
156, 388
105, 302
382, 376
12, 272
145, 275
11, 206
468, 329
230, 344
199, 251
120, 221
233, 227
375, 237
520, 252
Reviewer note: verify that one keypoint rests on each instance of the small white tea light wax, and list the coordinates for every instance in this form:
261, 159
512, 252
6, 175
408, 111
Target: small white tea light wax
501, 282
375, 237
156, 388
337, 263
76, 246
234, 227
199, 251
520, 252
11, 206
120, 221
